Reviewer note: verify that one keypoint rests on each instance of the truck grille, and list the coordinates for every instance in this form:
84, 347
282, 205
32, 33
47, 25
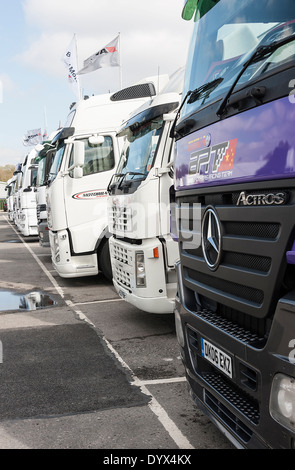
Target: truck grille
226, 398
223, 413
245, 287
120, 253
120, 220
121, 262
243, 404
122, 277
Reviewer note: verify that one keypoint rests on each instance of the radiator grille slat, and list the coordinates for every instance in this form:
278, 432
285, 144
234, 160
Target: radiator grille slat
254, 240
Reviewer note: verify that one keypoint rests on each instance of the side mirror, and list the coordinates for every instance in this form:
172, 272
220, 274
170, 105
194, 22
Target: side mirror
78, 172
78, 158
79, 153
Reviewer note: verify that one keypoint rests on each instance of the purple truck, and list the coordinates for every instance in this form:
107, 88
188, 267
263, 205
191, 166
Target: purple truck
235, 195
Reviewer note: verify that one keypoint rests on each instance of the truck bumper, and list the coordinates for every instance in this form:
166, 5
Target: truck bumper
28, 223
240, 406
43, 233
157, 295
160, 305
64, 263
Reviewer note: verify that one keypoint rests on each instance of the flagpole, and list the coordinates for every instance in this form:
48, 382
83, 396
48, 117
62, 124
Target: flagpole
78, 78
120, 66
45, 121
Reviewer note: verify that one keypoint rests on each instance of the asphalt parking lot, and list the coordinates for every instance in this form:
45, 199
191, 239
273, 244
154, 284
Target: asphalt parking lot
87, 370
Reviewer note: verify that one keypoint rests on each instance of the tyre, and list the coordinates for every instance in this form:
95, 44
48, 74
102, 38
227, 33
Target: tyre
104, 260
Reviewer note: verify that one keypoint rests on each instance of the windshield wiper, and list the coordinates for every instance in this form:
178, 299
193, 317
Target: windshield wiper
198, 92
133, 173
118, 175
193, 95
261, 52
123, 177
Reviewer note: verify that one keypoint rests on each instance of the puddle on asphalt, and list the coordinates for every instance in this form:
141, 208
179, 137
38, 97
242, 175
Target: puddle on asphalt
10, 300
10, 241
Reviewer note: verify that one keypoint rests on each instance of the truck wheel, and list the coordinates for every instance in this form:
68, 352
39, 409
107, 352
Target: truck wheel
104, 261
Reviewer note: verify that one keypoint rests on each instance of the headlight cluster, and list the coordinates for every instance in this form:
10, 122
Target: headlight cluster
282, 400
140, 270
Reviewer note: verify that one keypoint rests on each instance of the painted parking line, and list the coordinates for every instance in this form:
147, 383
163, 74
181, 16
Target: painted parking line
174, 432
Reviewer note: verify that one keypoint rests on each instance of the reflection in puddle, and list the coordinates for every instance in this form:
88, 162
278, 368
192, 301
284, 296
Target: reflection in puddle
10, 300
11, 241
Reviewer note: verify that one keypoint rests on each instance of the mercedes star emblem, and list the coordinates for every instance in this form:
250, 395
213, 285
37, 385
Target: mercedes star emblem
211, 238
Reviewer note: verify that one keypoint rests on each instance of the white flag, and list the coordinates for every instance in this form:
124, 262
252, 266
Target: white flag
70, 60
108, 56
33, 137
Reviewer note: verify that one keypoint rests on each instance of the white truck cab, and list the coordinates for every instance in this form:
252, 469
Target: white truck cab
86, 156
143, 252
25, 199
10, 187
44, 159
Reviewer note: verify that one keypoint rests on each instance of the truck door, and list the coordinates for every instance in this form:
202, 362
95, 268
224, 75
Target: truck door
86, 197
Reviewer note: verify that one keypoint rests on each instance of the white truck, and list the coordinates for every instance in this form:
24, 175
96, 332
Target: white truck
44, 159
143, 252
25, 200
10, 185
86, 157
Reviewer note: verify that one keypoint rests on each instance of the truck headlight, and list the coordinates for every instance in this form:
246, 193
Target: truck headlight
282, 400
140, 270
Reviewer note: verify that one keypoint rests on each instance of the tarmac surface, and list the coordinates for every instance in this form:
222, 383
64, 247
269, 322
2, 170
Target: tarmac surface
87, 370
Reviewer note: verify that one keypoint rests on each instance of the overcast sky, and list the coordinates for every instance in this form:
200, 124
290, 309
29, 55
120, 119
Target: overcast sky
34, 35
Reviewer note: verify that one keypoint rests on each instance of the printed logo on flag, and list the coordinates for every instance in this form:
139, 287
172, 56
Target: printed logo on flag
33, 137
70, 61
108, 56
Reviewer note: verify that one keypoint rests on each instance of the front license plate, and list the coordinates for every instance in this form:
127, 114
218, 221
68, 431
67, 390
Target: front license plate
217, 357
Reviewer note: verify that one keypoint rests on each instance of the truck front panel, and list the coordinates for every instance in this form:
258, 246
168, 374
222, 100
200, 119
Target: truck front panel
234, 179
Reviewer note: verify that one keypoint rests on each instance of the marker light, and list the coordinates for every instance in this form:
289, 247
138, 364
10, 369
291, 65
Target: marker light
156, 252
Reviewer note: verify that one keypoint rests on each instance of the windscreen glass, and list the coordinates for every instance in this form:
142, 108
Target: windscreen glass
34, 172
139, 150
56, 164
224, 39
98, 158
41, 172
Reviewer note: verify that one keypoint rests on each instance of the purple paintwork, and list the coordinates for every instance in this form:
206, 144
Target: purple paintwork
290, 255
264, 143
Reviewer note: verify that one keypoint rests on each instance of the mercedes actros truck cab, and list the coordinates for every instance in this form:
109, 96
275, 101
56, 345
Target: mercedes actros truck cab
235, 197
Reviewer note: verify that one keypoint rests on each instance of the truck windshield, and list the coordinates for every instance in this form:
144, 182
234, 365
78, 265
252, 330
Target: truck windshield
56, 164
224, 39
98, 158
34, 172
139, 150
41, 172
